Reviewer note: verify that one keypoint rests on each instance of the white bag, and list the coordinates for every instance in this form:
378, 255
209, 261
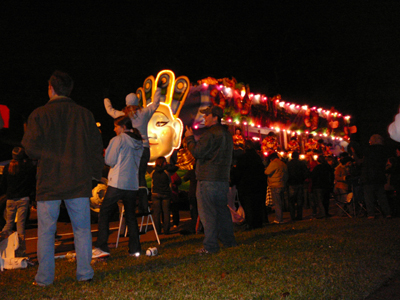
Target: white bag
7, 254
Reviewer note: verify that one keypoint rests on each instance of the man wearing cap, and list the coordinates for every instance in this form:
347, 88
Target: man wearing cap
213, 152
65, 140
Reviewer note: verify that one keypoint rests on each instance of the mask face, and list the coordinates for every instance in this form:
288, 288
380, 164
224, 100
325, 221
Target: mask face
164, 132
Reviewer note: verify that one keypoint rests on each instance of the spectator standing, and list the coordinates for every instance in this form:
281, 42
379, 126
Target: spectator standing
322, 182
277, 178
297, 172
161, 194
213, 154
373, 176
65, 140
176, 181
342, 187
251, 183
18, 183
123, 156
140, 117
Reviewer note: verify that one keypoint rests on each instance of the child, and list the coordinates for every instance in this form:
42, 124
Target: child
161, 194
18, 183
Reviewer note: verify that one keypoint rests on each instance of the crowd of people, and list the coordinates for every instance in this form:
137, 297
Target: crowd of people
63, 139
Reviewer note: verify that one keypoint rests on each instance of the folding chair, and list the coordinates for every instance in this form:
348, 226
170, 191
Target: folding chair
148, 215
349, 201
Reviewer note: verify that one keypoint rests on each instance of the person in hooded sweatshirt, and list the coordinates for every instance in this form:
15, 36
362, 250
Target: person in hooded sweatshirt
123, 156
140, 117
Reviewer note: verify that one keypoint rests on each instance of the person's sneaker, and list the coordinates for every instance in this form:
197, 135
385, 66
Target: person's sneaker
35, 283
136, 254
98, 253
202, 251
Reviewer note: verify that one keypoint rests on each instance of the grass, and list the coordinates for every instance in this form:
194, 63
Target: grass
320, 259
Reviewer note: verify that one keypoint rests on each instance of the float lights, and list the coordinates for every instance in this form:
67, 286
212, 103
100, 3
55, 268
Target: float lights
315, 157
237, 122
98, 124
297, 106
205, 84
347, 117
319, 110
304, 107
298, 132
196, 127
306, 132
292, 106
289, 131
339, 115
281, 104
252, 124
244, 123
258, 126
302, 156
265, 153
229, 120
314, 133
277, 129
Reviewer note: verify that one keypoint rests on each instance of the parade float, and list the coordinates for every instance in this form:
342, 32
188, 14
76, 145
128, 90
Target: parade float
276, 124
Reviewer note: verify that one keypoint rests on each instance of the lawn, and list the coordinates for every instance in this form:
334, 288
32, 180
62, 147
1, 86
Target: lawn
338, 258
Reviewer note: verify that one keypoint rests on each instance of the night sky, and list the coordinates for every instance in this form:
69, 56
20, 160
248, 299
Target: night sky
344, 54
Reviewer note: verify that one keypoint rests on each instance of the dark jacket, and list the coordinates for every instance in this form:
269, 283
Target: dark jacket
374, 165
21, 184
64, 137
248, 175
298, 172
322, 177
213, 153
161, 182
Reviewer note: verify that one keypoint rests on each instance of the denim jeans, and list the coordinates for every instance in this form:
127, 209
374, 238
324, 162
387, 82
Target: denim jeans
19, 208
277, 198
374, 192
214, 213
161, 209
79, 213
322, 198
296, 196
107, 207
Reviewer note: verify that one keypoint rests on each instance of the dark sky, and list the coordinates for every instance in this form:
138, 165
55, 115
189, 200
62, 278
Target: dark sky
339, 53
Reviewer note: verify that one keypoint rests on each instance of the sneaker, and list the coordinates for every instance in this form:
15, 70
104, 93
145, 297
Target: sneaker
136, 254
98, 253
35, 283
202, 251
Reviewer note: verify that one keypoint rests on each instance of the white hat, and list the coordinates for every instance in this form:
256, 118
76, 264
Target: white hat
131, 99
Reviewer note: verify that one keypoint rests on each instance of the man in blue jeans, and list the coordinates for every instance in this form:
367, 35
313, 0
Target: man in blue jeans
65, 140
213, 154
